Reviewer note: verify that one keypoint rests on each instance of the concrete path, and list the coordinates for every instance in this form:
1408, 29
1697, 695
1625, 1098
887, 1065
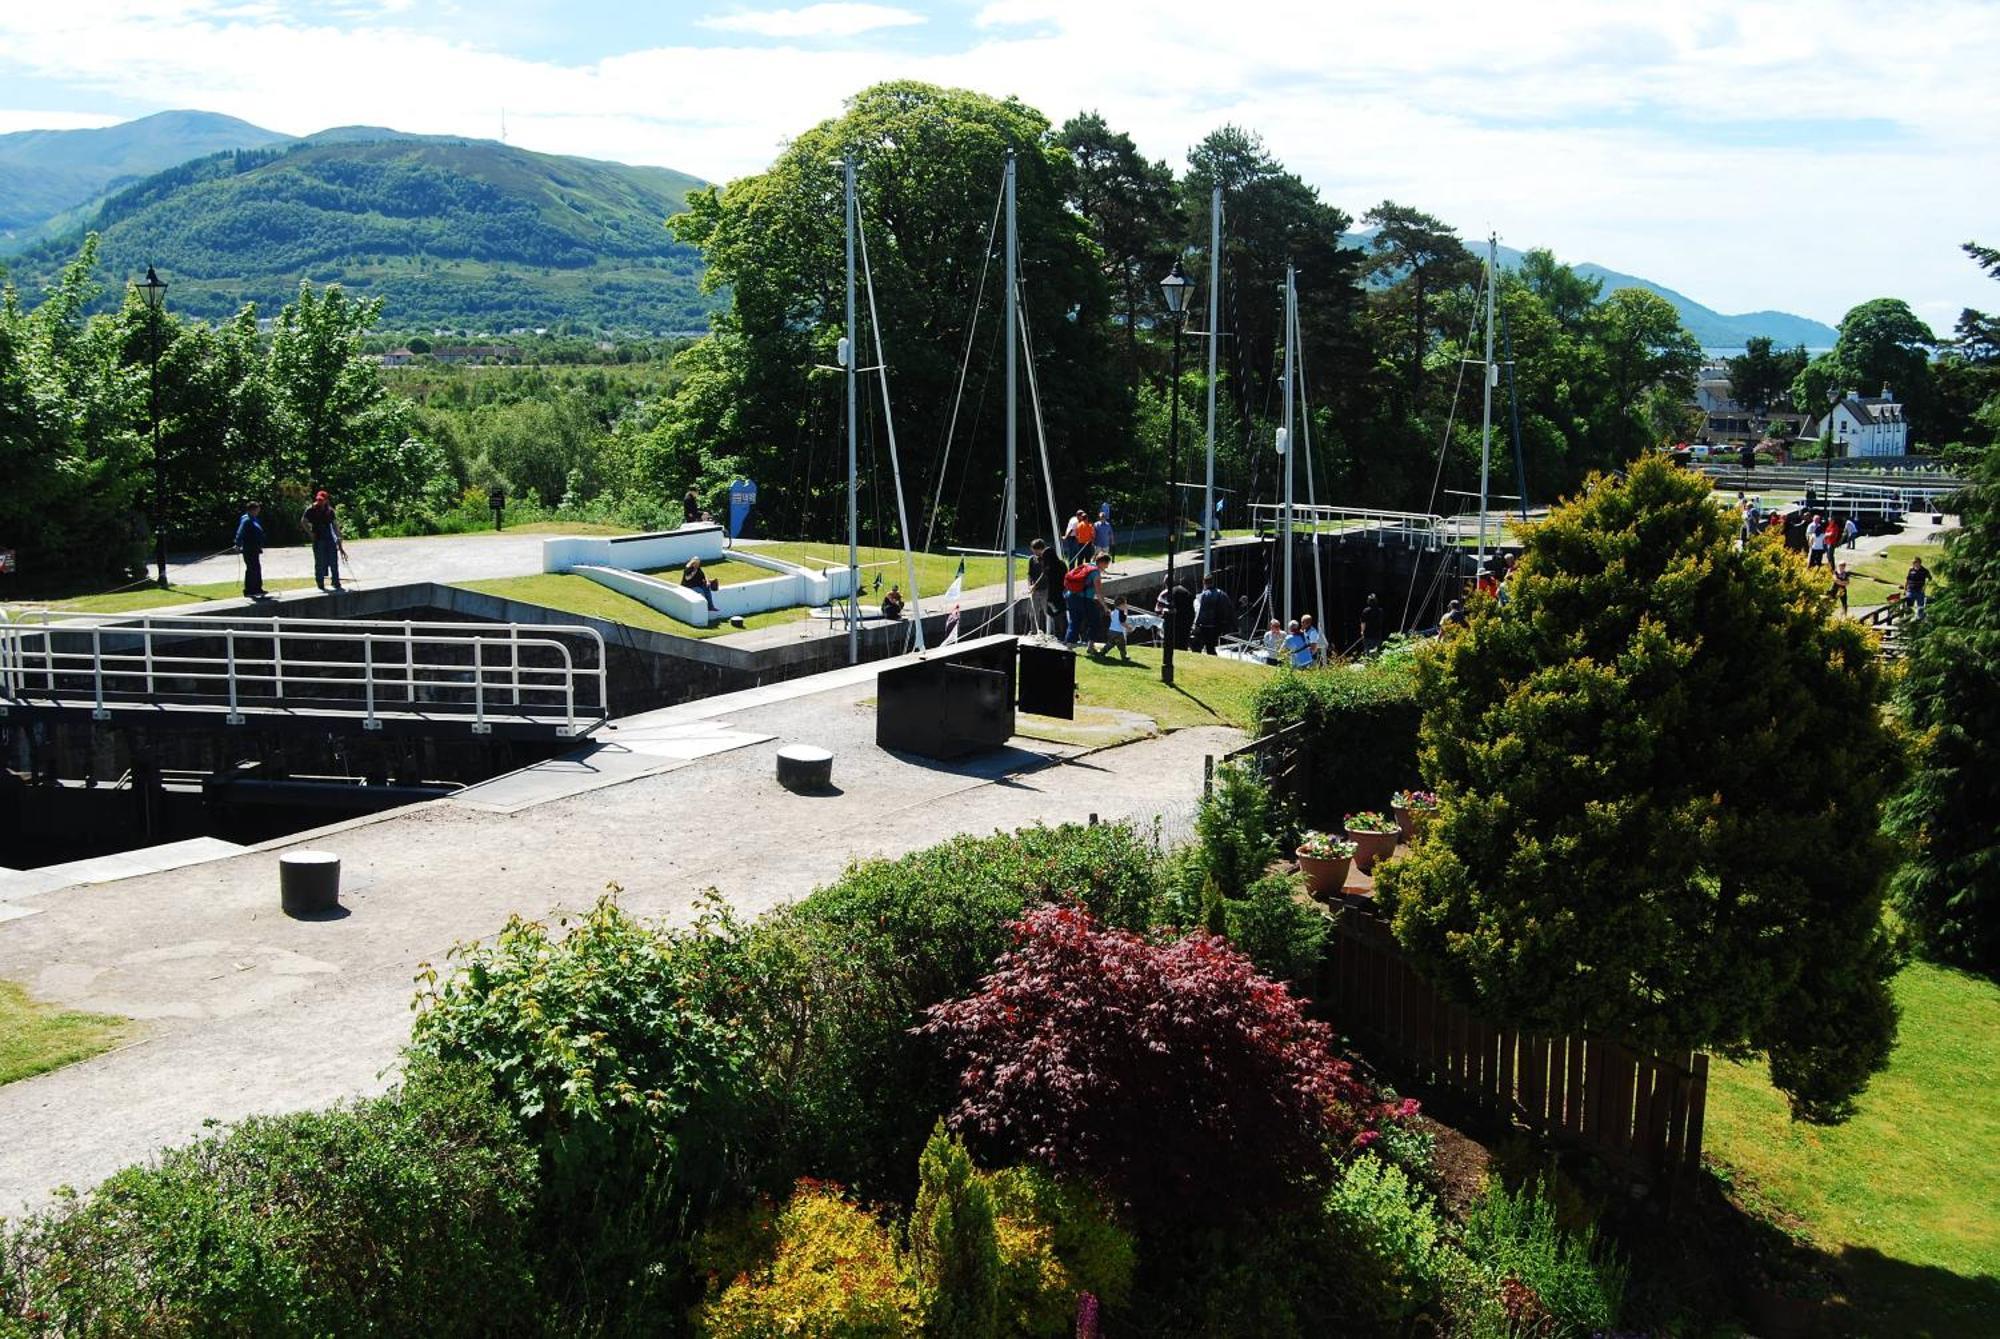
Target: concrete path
246, 1011
383, 562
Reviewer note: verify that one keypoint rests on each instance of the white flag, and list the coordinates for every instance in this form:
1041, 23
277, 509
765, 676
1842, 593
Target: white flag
951, 599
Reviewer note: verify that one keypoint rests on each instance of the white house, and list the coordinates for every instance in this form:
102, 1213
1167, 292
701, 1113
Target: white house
1864, 425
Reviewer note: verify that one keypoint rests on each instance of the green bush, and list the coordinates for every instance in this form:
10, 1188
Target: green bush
1056, 1241
1392, 1220
619, 1048
1278, 928
1360, 727
406, 1214
1574, 1281
845, 973
1234, 825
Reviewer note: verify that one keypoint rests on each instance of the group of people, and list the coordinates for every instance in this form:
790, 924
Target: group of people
318, 519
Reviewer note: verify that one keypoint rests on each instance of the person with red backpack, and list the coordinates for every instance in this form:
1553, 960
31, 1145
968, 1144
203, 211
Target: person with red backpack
1080, 600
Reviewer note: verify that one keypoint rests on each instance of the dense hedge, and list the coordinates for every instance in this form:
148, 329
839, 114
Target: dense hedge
1360, 727
403, 1215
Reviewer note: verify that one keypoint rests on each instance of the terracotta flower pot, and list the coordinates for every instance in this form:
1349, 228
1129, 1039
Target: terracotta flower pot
1323, 876
1370, 847
1406, 820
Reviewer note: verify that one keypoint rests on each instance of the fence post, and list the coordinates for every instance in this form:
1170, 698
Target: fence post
277, 659
97, 673
235, 717
479, 725
368, 679
1207, 775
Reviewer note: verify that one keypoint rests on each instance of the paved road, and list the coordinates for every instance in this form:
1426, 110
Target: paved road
381, 562
246, 1011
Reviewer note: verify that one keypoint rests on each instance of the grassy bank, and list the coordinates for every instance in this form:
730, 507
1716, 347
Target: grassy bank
1905, 1197
36, 1038
567, 593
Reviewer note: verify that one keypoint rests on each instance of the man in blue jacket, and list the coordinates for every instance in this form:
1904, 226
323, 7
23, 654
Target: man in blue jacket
250, 543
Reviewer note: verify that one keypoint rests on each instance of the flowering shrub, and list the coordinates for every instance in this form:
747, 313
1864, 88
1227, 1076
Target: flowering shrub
1421, 800
1317, 845
1370, 820
820, 1265
1170, 1073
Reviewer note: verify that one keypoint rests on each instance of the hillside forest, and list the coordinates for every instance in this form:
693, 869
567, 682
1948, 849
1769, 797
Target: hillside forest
267, 404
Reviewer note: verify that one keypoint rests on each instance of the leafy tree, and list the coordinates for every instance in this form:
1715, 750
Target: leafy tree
930, 164
1761, 377
1881, 343
1949, 811
1569, 297
1644, 348
1660, 769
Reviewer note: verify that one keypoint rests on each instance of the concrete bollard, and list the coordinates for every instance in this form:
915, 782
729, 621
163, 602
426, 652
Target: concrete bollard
308, 882
805, 767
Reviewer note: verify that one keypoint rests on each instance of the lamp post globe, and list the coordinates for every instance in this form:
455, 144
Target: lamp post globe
1175, 289
154, 292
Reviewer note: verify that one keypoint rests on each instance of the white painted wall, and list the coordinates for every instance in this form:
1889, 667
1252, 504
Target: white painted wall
793, 586
634, 553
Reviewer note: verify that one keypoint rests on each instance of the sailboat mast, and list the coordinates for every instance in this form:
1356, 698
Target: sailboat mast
1285, 530
1013, 344
1214, 338
1492, 376
853, 443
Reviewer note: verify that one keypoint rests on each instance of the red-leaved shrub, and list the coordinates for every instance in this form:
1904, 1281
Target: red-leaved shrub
1171, 1074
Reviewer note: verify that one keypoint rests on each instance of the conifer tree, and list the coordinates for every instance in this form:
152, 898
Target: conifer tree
1660, 769
1949, 811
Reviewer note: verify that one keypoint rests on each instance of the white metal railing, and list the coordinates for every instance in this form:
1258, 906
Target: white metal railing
1361, 522
365, 668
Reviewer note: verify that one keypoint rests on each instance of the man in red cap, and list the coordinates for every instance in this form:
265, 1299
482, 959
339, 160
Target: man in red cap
319, 519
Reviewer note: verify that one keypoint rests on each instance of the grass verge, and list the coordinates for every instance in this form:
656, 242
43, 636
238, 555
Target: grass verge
567, 593
1206, 690
1873, 578
1906, 1196
153, 597
36, 1038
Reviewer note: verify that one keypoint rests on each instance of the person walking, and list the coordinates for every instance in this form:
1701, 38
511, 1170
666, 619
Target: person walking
1840, 586
324, 527
1915, 581
1104, 535
1045, 592
1079, 602
1069, 540
250, 543
1815, 541
690, 506
1214, 611
1850, 533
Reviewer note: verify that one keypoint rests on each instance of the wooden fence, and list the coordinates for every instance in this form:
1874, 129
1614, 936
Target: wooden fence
1640, 1112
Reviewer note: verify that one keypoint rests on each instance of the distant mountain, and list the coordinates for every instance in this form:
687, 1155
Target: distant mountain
1710, 328
446, 231
47, 173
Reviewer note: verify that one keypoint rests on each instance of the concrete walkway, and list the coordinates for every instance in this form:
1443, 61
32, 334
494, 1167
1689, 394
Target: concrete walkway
383, 562
246, 1011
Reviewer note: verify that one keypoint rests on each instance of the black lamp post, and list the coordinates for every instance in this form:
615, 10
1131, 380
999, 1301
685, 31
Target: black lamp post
154, 290
1176, 287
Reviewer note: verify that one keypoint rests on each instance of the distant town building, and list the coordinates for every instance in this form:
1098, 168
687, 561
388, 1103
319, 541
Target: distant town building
1866, 425
396, 357
1727, 423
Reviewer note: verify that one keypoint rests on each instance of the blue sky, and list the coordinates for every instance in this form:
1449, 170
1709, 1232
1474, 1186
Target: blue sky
1804, 155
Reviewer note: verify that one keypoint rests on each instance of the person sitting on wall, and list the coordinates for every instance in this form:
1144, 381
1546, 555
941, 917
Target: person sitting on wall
892, 603
693, 578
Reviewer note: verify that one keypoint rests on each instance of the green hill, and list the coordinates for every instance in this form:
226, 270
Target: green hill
46, 173
447, 232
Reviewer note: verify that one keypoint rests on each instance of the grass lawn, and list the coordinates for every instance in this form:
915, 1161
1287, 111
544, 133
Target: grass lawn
152, 597
1206, 690
1872, 579
36, 1038
568, 593
1906, 1196
934, 570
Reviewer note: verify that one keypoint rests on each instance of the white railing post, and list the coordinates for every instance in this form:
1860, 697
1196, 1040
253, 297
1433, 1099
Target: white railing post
97, 674
479, 725
368, 679
278, 658
514, 661
235, 716
410, 662
146, 634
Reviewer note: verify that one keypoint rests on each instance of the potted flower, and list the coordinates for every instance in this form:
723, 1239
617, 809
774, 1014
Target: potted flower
1323, 859
1411, 808
1374, 835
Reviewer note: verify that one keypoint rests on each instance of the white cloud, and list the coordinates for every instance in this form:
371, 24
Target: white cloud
1796, 154
829, 20
12, 119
